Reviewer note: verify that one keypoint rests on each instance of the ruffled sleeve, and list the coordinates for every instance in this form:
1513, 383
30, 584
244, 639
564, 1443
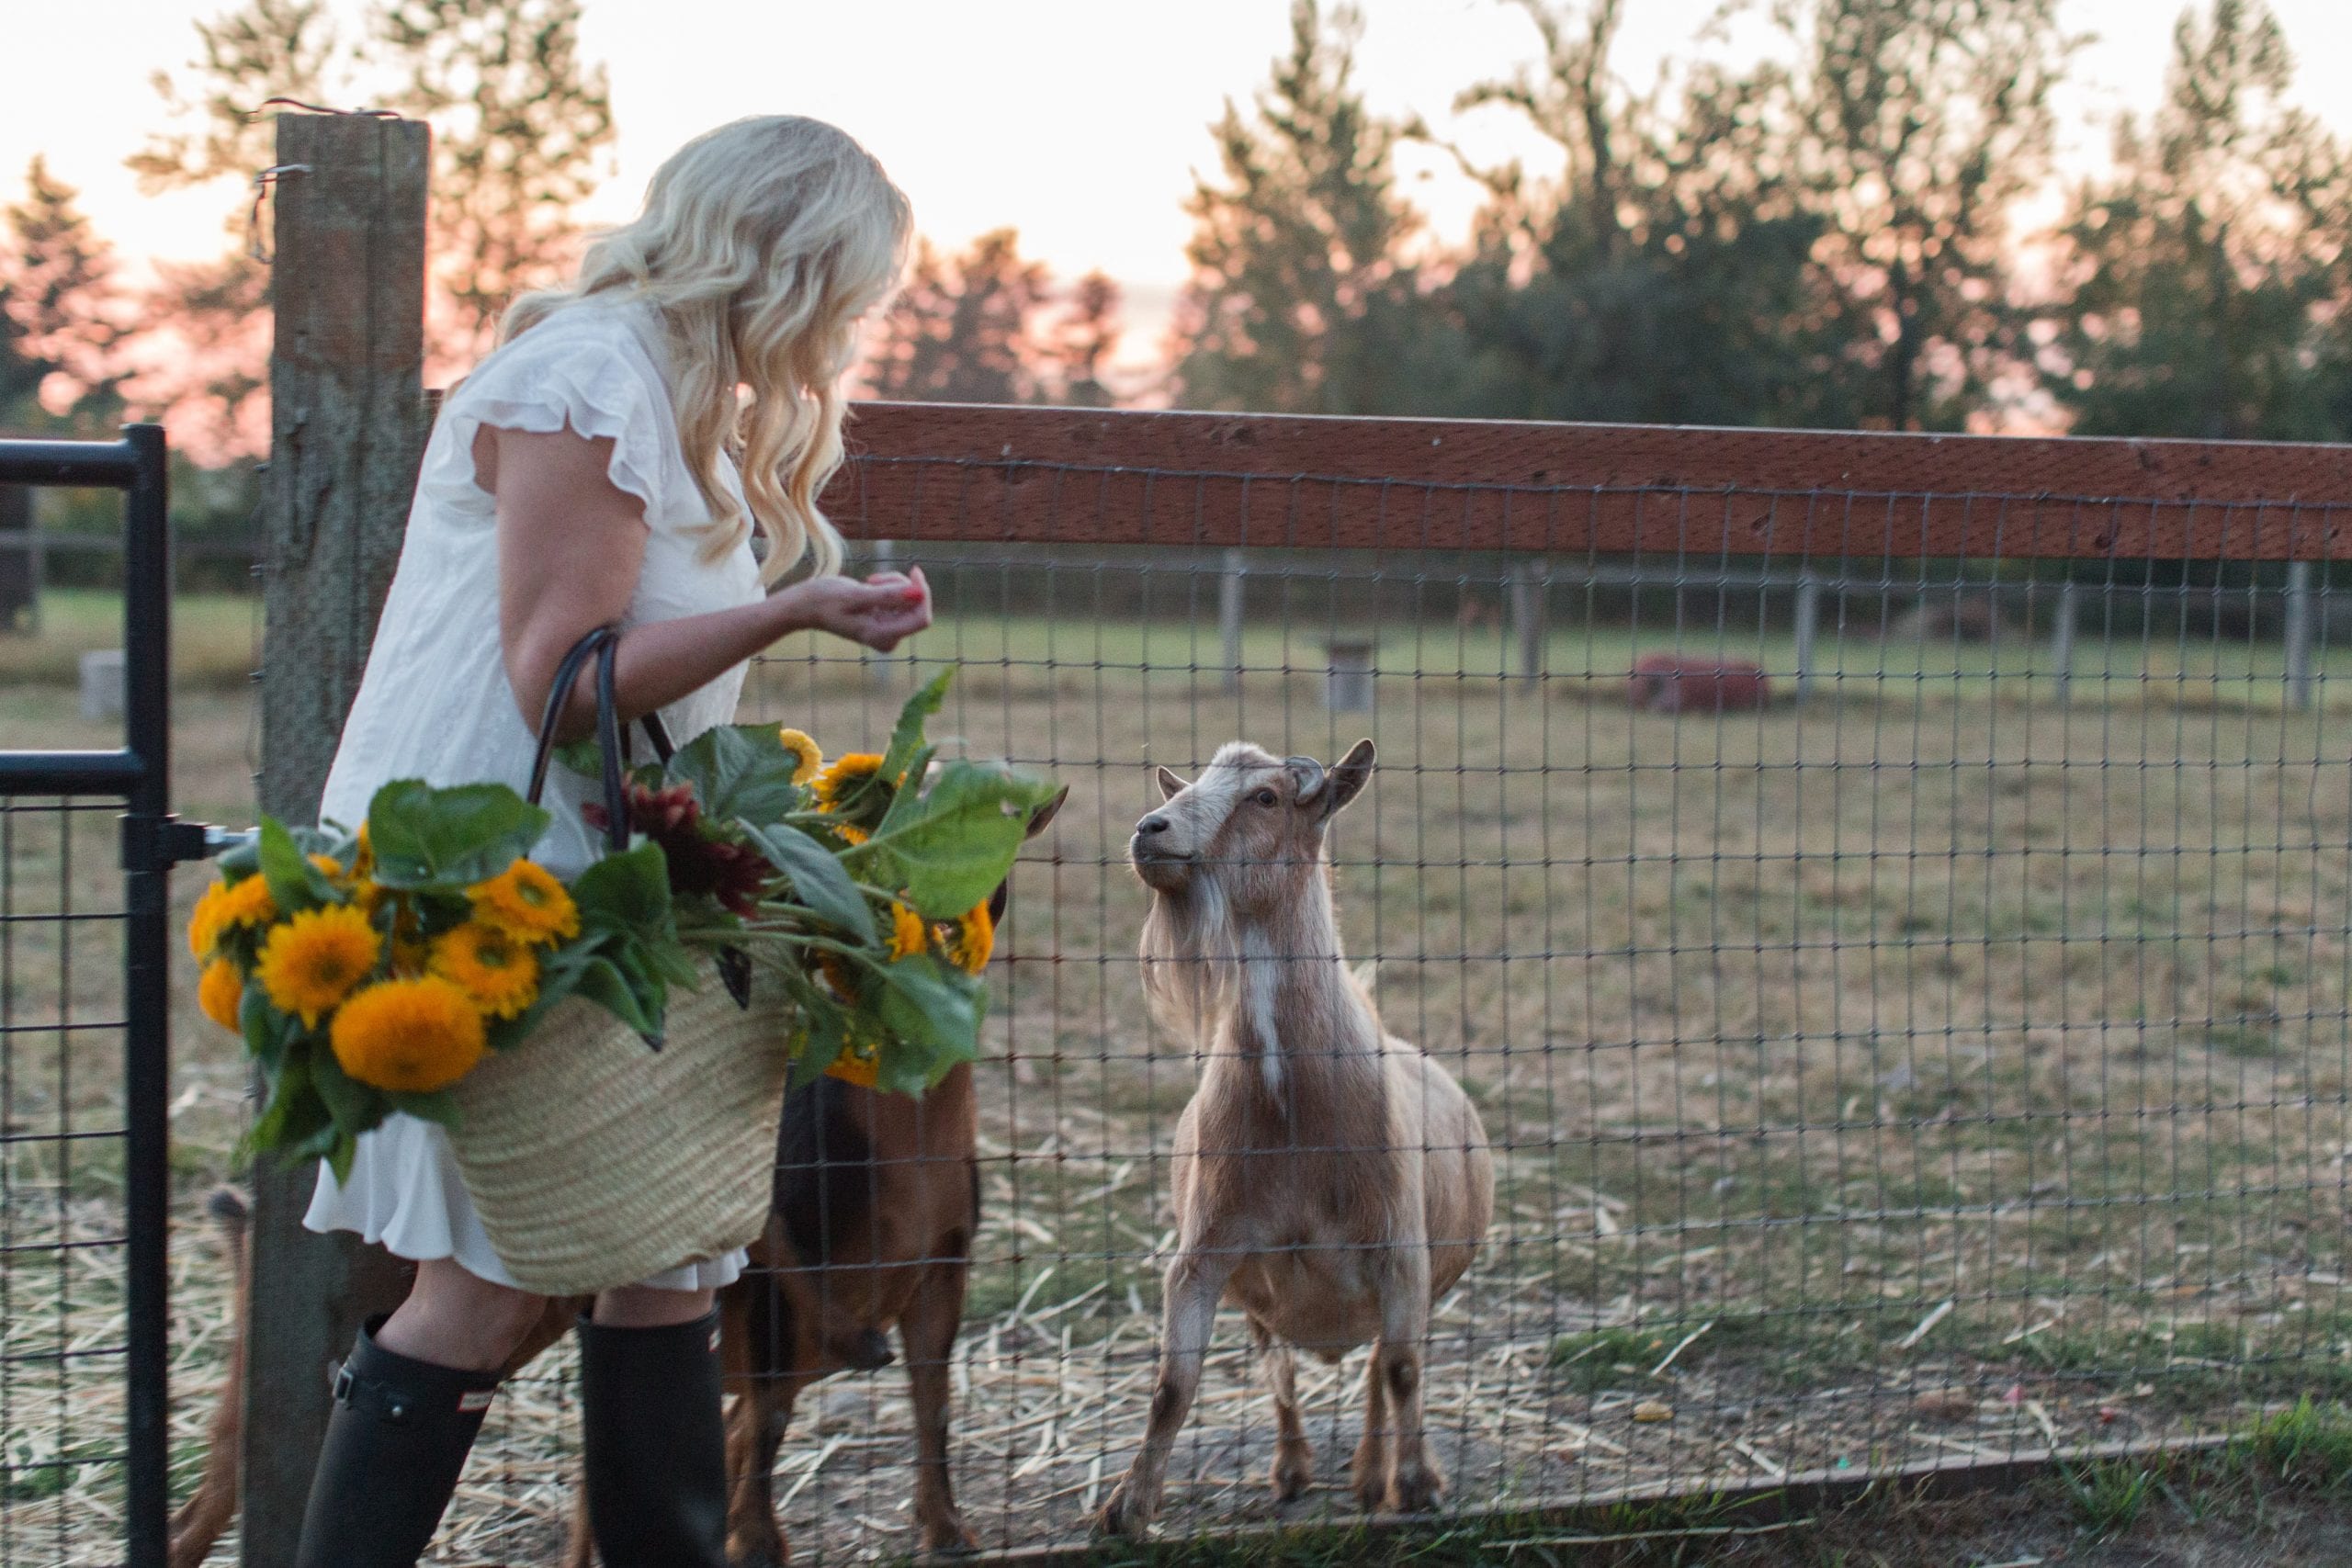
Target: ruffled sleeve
585, 367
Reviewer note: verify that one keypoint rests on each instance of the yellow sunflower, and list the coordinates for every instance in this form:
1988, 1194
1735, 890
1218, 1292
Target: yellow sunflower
328, 867
312, 961
907, 936
848, 833
248, 903
853, 1066
411, 1036
528, 903
841, 778
363, 856
808, 757
500, 974
974, 939
209, 920
220, 992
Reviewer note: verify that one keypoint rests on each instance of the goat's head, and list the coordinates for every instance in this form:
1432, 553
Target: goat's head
1252, 821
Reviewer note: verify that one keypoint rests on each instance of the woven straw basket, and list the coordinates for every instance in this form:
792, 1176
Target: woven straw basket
596, 1162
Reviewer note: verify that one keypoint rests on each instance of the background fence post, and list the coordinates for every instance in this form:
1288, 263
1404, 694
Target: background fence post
2299, 634
1230, 585
879, 665
2062, 640
347, 423
1526, 618
1808, 621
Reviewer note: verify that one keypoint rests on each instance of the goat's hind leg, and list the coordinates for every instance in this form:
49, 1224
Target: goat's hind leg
1195, 1281
928, 1326
1293, 1469
768, 1367
1368, 1471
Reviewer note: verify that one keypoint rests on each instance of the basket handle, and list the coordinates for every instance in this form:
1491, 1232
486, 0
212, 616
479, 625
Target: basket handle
601, 644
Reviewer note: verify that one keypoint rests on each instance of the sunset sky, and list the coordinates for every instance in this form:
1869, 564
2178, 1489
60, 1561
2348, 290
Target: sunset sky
1079, 121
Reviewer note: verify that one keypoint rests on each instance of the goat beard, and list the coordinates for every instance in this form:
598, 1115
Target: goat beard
1192, 960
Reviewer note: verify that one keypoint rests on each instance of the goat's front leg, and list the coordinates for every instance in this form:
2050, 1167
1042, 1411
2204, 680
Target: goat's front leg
1416, 1483
1195, 1281
928, 1326
769, 1361
1293, 1455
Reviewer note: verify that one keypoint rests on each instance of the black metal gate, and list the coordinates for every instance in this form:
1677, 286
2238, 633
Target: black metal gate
85, 1182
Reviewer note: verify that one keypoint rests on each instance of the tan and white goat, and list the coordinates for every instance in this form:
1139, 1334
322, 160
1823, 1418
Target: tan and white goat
1330, 1180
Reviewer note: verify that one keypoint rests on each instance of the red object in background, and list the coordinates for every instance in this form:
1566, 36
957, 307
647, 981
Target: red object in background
1670, 682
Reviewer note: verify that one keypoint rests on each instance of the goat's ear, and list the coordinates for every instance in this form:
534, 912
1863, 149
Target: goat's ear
1348, 777
1043, 817
1170, 786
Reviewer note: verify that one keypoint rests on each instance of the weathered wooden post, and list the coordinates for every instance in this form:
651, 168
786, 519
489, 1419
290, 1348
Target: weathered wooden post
1230, 585
347, 425
879, 665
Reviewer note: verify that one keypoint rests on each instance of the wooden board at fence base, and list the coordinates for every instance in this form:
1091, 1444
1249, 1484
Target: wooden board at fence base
1081, 476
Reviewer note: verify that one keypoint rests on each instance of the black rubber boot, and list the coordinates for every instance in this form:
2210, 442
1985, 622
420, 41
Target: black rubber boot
395, 1443
654, 1448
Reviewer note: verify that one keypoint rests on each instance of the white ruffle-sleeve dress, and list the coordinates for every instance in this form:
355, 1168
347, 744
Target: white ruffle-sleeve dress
435, 705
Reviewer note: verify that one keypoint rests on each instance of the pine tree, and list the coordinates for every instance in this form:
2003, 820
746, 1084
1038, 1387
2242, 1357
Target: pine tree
1080, 343
1917, 127
1300, 299
60, 311
960, 331
2204, 273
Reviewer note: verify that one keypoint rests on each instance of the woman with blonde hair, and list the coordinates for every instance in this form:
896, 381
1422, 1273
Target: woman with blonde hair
610, 463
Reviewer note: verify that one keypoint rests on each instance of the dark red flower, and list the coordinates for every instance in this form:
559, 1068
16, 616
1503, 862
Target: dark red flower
703, 863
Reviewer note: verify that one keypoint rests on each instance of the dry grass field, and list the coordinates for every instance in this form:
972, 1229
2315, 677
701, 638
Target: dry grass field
1931, 1071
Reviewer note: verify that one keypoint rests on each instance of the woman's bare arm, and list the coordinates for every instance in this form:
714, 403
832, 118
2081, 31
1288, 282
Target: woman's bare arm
571, 544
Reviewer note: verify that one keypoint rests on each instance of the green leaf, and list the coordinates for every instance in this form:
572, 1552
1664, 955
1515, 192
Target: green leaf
950, 847
291, 1122
828, 1033
818, 878
907, 739
926, 1004
627, 893
450, 838
294, 882
601, 982
440, 1107
266, 1029
741, 770
352, 1106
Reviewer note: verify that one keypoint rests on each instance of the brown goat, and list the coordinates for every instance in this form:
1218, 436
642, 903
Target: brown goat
877, 1200
1330, 1179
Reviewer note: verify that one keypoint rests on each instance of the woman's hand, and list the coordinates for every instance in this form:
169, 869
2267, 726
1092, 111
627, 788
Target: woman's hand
880, 613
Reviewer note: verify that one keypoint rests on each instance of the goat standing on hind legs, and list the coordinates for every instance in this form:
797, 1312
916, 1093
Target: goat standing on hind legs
1330, 1179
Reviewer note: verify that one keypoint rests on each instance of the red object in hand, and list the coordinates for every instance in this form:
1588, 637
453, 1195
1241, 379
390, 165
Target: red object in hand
1671, 682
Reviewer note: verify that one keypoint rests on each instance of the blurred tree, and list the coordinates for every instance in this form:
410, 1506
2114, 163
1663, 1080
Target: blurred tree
208, 371
1915, 126
2203, 276
1080, 341
59, 312
960, 328
1662, 274
1301, 298
519, 121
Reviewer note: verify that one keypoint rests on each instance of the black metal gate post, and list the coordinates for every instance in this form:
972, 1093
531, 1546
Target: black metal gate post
138, 773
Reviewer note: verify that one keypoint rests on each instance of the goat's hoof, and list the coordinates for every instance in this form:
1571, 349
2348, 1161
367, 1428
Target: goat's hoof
1417, 1490
1293, 1471
946, 1538
758, 1550
1125, 1514
1368, 1478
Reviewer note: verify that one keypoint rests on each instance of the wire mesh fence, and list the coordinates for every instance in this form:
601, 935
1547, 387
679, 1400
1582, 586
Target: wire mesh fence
1888, 900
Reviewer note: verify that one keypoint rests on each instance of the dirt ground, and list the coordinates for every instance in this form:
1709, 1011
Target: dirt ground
1930, 1072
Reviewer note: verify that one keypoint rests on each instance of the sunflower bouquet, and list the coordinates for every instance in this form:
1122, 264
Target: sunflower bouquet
370, 970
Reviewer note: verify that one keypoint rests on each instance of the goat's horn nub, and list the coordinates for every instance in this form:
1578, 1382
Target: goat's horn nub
1309, 774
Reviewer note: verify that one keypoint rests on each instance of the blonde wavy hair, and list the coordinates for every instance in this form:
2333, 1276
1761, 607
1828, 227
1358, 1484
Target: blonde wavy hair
761, 243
